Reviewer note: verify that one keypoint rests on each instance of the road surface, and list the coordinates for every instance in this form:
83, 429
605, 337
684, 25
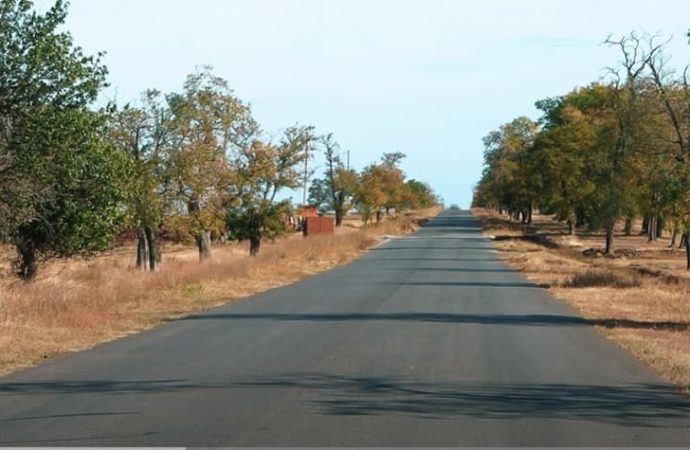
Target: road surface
426, 340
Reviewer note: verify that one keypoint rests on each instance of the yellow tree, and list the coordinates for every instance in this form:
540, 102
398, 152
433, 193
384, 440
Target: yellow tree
208, 122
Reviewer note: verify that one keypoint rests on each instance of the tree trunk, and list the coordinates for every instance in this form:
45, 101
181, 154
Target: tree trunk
645, 225
571, 228
579, 219
687, 250
609, 240
153, 241
203, 242
683, 241
378, 216
530, 212
674, 237
339, 213
628, 226
27, 262
142, 250
254, 245
651, 228
660, 226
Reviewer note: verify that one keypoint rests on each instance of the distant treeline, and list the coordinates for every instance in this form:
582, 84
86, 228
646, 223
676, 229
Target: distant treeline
72, 179
612, 152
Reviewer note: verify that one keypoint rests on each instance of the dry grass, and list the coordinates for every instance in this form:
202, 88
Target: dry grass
603, 278
639, 299
75, 304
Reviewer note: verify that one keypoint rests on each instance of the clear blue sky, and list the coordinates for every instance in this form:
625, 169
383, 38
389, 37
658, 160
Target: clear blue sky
428, 78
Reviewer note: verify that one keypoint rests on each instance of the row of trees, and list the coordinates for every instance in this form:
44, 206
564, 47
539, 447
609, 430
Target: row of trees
377, 189
194, 162
604, 154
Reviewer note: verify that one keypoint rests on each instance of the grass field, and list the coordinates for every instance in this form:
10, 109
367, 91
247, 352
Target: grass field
75, 303
640, 298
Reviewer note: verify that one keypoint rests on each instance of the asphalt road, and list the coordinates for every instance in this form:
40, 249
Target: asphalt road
426, 340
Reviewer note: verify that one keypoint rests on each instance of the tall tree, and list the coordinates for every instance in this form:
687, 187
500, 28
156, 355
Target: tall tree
337, 187
418, 195
66, 181
370, 194
673, 90
505, 155
262, 171
208, 122
144, 133
626, 82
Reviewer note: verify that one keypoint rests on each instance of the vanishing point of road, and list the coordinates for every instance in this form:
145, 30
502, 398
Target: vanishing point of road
427, 340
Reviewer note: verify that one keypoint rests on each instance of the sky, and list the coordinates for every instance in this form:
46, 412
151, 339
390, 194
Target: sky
427, 78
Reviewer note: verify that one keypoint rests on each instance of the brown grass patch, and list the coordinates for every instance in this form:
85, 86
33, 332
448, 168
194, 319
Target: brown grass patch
75, 304
602, 278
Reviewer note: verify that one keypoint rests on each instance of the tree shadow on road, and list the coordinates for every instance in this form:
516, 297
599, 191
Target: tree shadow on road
415, 248
532, 320
473, 260
630, 404
445, 269
639, 404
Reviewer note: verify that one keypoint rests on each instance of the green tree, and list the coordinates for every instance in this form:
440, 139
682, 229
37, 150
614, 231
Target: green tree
564, 154
144, 133
65, 180
505, 167
261, 172
320, 195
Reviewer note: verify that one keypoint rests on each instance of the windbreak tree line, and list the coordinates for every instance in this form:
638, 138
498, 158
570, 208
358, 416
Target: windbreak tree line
193, 163
608, 153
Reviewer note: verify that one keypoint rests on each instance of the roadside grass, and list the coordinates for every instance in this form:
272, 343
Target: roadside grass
641, 297
76, 303
603, 278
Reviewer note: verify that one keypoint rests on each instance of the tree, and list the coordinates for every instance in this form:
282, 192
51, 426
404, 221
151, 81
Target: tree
207, 123
418, 195
673, 91
336, 189
392, 179
370, 195
65, 180
565, 154
83, 181
262, 171
505, 159
626, 83
304, 138
320, 195
144, 133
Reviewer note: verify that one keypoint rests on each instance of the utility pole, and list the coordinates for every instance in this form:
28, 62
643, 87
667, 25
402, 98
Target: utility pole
306, 174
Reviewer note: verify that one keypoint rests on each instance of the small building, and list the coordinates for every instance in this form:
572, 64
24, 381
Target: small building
318, 225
